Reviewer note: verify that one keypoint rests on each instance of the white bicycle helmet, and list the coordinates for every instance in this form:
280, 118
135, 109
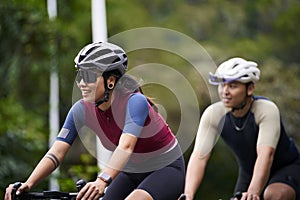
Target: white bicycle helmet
103, 56
235, 69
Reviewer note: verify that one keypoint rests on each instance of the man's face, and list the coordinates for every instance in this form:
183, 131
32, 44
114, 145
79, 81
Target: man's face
232, 94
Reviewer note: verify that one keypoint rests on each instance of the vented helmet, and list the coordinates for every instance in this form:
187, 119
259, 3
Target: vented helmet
235, 69
102, 56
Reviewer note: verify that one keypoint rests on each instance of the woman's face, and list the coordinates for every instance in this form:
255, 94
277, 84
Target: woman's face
92, 92
233, 94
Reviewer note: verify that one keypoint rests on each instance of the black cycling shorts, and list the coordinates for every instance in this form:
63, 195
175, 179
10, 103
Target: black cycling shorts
289, 175
164, 184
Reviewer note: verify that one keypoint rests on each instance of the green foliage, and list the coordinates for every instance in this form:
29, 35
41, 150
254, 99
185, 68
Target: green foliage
286, 28
87, 170
31, 45
21, 139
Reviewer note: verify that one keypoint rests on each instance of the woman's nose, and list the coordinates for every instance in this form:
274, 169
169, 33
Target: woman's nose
81, 83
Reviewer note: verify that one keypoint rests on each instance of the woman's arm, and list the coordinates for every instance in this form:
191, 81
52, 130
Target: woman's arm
136, 113
121, 155
116, 163
48, 163
195, 173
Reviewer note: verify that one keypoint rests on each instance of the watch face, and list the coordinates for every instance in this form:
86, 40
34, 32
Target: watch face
105, 177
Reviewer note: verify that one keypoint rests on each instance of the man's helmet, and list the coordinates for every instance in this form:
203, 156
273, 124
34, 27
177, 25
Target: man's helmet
102, 56
235, 69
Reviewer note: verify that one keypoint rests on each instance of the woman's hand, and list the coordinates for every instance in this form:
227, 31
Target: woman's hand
24, 187
92, 190
249, 196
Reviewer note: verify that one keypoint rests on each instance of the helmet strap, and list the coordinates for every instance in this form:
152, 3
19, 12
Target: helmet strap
106, 93
105, 99
244, 103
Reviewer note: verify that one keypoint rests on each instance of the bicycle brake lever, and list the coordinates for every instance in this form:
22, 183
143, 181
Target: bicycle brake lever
237, 195
14, 189
80, 184
17, 185
182, 197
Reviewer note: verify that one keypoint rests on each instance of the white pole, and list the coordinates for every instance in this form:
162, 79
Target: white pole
54, 96
99, 27
99, 31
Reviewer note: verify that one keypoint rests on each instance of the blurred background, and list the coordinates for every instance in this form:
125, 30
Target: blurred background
266, 31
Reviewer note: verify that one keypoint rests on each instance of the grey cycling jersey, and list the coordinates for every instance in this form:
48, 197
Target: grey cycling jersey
260, 126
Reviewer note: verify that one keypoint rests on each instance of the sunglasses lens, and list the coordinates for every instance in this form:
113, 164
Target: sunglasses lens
78, 77
87, 76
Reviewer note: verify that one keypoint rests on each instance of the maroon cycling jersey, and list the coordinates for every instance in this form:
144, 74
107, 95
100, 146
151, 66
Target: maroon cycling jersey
108, 125
156, 145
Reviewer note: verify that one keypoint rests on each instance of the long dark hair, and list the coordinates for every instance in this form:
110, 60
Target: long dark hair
127, 84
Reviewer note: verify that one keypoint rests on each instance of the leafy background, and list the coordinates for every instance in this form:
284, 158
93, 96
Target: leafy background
266, 31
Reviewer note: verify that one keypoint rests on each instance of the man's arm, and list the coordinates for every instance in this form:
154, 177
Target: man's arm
262, 168
195, 173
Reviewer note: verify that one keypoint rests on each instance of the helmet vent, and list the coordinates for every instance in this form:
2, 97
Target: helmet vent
116, 60
126, 60
104, 51
118, 51
234, 66
109, 60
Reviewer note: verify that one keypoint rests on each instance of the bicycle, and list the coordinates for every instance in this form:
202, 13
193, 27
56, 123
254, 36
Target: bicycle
46, 194
237, 195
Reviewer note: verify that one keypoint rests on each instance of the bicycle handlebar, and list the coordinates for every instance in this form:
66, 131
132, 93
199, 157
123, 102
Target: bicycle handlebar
237, 195
46, 194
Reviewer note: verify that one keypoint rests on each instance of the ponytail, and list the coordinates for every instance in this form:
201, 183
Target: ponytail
128, 85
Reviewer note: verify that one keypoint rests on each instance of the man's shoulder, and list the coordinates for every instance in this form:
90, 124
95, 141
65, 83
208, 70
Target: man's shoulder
264, 102
217, 107
215, 112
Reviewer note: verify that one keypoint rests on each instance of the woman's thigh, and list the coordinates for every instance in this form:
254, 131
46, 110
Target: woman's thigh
120, 188
166, 183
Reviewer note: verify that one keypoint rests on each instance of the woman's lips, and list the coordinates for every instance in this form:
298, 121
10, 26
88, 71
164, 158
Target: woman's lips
85, 93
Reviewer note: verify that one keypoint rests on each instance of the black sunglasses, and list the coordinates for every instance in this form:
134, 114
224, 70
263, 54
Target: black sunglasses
87, 76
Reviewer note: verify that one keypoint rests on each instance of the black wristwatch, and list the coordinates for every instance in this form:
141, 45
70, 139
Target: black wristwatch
105, 177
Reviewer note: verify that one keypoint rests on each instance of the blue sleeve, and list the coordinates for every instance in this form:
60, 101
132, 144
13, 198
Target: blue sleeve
136, 113
73, 122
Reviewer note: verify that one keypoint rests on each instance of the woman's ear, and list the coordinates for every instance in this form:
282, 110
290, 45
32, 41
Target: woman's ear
111, 82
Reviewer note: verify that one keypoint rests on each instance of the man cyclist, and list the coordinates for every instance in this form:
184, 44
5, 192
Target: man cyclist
269, 162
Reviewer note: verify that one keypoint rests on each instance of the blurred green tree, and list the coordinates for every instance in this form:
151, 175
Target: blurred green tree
265, 31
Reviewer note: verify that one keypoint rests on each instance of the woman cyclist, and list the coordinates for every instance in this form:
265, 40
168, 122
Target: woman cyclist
146, 162
269, 162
